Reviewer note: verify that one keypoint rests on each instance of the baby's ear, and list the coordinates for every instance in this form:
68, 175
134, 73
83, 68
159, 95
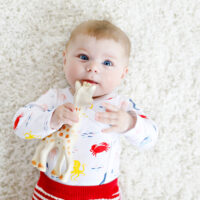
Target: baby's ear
64, 52
125, 71
64, 58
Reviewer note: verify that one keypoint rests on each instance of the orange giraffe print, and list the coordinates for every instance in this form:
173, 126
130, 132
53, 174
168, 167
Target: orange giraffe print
65, 137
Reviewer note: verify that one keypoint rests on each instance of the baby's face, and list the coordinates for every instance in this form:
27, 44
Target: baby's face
102, 62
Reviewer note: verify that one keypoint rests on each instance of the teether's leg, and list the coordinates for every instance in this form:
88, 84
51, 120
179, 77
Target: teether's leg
57, 168
43, 156
69, 163
36, 157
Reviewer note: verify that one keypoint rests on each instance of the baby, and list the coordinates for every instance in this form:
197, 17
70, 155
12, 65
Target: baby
97, 52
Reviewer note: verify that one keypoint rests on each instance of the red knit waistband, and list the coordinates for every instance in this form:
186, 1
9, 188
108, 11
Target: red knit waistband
47, 187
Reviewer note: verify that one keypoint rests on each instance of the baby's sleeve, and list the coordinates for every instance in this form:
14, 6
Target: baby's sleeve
33, 120
145, 133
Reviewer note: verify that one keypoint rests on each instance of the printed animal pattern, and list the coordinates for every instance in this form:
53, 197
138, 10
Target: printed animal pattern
29, 136
99, 148
76, 170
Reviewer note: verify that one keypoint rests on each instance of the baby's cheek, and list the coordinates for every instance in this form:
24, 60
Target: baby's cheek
71, 74
109, 83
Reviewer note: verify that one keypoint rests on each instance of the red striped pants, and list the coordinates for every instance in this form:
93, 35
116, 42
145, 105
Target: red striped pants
48, 189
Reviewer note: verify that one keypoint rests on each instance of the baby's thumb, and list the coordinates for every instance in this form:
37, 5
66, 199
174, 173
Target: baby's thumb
70, 106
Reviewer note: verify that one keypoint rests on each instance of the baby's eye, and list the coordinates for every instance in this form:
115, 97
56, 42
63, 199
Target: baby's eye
83, 57
108, 63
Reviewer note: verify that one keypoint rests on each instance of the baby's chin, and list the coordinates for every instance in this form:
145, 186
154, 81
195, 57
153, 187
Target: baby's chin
99, 94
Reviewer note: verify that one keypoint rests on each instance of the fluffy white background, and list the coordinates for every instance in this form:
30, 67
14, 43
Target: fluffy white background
164, 80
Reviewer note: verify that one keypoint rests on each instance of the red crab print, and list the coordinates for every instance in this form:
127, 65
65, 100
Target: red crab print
17, 121
98, 148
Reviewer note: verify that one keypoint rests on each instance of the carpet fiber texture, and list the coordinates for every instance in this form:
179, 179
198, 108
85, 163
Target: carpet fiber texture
163, 79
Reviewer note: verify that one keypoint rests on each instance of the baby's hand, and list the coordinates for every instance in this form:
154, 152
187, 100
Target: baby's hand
120, 120
64, 114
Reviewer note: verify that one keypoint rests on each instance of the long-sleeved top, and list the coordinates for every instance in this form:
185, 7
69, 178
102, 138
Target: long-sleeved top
96, 154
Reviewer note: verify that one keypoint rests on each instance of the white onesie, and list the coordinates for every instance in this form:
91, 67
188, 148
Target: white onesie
96, 155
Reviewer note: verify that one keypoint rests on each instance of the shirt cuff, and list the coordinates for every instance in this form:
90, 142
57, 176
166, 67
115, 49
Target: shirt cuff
137, 128
137, 134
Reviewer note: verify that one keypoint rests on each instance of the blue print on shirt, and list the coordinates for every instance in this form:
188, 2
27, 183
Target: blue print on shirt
154, 127
46, 125
104, 179
102, 108
28, 120
50, 109
31, 105
96, 168
145, 141
90, 134
134, 105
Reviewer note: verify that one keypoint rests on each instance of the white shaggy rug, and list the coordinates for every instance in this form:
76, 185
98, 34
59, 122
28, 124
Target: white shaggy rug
164, 80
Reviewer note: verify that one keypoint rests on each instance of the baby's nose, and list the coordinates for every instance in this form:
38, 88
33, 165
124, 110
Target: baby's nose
92, 68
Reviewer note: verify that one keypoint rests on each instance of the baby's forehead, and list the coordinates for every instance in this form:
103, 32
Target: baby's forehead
87, 41
87, 37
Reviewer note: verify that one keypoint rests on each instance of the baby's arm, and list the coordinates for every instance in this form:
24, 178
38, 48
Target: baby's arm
129, 121
33, 120
44, 116
145, 132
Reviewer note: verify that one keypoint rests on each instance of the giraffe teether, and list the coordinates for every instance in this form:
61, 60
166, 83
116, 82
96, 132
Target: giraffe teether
65, 137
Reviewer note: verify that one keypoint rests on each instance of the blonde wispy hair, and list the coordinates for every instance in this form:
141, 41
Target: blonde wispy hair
102, 29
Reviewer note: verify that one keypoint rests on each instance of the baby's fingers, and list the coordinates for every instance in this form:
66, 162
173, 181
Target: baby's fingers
69, 106
73, 116
111, 129
68, 122
69, 117
109, 107
107, 118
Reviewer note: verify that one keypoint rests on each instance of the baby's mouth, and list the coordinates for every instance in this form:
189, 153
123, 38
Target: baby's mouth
90, 81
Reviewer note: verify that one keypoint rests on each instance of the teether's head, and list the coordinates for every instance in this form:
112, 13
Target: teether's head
84, 93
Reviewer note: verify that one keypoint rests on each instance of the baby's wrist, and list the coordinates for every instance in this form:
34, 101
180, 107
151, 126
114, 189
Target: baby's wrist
53, 125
